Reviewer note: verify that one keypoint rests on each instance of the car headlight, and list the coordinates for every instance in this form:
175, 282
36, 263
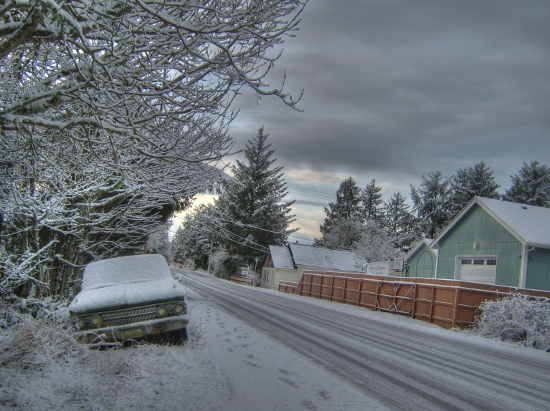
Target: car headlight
162, 311
179, 309
96, 320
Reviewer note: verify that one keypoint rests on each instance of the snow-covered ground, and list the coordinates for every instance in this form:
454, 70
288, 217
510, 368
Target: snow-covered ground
226, 366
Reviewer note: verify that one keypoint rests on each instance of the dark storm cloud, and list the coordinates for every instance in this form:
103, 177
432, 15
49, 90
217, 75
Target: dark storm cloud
395, 89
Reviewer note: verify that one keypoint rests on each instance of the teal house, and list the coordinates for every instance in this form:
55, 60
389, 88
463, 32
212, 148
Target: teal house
492, 242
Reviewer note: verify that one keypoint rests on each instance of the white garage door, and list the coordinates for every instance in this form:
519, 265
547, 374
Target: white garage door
478, 269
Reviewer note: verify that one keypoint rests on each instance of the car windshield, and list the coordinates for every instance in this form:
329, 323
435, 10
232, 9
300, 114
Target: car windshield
125, 270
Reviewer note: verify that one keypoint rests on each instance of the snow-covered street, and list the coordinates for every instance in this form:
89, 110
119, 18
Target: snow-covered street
400, 362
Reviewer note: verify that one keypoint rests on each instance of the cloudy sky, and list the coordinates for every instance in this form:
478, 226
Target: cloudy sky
394, 89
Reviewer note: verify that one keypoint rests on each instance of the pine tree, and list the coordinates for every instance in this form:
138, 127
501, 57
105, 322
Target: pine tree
371, 200
399, 223
469, 183
531, 186
251, 207
431, 203
346, 207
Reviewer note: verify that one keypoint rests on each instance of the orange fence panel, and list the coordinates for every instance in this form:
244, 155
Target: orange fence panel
447, 303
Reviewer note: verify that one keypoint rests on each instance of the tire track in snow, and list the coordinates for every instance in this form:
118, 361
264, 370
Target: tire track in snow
399, 367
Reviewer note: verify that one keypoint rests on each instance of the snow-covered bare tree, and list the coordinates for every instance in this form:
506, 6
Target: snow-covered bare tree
371, 201
470, 182
251, 205
343, 234
111, 113
431, 203
374, 243
159, 242
531, 186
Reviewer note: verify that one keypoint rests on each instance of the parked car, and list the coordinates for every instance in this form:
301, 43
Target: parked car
127, 298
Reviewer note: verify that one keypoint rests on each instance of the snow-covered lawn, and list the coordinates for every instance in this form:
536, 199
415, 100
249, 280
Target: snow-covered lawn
225, 366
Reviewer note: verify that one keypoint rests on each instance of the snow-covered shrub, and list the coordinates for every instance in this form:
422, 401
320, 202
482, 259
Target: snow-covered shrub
223, 266
52, 308
516, 318
34, 344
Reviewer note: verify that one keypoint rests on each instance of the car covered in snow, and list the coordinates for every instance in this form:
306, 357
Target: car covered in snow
130, 297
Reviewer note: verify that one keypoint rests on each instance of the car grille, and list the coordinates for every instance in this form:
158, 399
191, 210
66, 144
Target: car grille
126, 316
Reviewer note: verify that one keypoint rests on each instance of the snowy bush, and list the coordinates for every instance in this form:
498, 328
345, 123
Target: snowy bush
516, 318
34, 344
52, 308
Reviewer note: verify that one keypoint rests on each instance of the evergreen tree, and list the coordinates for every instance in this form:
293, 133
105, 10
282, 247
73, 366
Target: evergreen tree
178, 246
198, 237
431, 203
469, 183
371, 200
531, 186
399, 223
251, 207
346, 207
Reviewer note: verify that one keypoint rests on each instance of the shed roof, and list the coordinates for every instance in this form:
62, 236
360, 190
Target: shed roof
529, 224
318, 257
281, 257
425, 242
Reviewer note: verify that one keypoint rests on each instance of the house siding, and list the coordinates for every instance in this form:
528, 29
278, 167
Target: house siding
275, 276
422, 263
477, 226
538, 269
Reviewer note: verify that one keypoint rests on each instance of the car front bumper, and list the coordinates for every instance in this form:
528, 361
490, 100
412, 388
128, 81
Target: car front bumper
134, 330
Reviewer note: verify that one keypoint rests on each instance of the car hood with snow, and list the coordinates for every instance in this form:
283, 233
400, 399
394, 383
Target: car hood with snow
126, 282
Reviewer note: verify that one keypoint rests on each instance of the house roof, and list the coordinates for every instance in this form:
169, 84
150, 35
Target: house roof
529, 224
425, 242
281, 257
317, 257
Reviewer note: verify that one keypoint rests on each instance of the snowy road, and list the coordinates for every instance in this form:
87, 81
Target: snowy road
401, 363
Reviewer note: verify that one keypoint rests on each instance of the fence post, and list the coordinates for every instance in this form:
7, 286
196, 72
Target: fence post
455, 313
414, 300
432, 303
345, 289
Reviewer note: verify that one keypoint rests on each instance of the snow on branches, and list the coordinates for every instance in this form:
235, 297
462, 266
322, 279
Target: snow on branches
114, 114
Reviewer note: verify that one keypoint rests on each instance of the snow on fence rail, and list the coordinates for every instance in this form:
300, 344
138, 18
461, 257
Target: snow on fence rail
447, 303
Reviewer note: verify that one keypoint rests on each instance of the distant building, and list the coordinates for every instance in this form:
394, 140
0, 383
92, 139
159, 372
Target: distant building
491, 242
289, 262
421, 261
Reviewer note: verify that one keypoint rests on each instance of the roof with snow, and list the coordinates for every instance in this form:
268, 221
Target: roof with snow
529, 224
425, 241
324, 258
281, 257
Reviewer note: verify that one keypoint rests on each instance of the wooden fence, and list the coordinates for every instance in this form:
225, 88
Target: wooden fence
242, 280
447, 303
